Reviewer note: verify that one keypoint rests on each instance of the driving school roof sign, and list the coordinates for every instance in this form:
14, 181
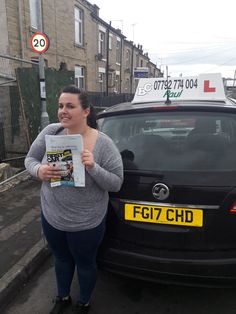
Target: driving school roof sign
202, 87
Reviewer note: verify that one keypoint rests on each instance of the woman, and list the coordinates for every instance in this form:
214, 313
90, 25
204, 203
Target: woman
73, 218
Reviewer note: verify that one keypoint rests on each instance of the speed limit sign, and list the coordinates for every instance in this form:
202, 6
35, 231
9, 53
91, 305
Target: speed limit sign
39, 42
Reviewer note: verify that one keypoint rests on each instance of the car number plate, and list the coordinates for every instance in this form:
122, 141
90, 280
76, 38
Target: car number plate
164, 215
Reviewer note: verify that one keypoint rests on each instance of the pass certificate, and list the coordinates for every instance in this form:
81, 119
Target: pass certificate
64, 151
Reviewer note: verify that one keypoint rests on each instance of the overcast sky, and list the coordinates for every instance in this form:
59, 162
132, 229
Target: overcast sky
191, 37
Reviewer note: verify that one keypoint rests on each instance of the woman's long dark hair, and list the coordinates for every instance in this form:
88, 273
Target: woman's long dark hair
83, 98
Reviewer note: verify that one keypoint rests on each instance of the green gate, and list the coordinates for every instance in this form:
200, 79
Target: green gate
2, 142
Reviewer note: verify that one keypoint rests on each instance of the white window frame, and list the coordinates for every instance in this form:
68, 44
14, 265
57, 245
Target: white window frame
101, 81
110, 41
118, 51
79, 26
34, 23
137, 60
111, 79
117, 83
101, 43
128, 58
80, 76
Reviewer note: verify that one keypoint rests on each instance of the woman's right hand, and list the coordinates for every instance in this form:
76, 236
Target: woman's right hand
48, 172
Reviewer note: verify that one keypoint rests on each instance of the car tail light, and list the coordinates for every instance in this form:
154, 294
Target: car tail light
232, 208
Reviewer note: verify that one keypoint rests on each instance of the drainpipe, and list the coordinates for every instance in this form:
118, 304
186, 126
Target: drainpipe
132, 70
107, 64
22, 53
121, 55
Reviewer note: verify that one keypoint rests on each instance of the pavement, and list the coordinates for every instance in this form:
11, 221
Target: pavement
115, 294
22, 246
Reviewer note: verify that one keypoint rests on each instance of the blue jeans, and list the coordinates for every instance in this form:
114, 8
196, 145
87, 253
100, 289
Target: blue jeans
74, 248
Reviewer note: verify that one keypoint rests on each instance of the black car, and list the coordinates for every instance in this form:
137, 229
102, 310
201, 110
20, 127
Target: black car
174, 219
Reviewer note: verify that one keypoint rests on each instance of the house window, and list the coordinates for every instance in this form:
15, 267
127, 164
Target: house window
141, 63
34, 22
79, 77
110, 42
118, 50
128, 58
101, 43
127, 85
101, 80
110, 80
136, 60
78, 26
117, 84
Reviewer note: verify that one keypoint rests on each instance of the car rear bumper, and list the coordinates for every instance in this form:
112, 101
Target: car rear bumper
190, 272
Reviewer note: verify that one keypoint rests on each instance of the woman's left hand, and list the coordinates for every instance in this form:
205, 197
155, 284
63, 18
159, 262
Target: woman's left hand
87, 159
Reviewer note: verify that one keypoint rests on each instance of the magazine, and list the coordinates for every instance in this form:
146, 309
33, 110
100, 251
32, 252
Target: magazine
64, 151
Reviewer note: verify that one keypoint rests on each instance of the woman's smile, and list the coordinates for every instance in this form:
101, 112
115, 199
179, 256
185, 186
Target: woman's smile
64, 118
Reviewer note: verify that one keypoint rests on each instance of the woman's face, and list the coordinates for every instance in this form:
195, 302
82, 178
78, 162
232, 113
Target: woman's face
70, 112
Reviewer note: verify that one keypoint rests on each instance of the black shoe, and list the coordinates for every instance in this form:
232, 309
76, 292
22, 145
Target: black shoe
80, 308
60, 305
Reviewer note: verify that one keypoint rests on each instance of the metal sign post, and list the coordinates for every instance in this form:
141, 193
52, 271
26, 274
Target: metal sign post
44, 114
40, 44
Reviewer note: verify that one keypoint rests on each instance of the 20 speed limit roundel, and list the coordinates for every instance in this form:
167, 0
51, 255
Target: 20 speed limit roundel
39, 42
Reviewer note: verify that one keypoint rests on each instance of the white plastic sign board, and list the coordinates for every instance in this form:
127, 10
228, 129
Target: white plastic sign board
202, 87
42, 90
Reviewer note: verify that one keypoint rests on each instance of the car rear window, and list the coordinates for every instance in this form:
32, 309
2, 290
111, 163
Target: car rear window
174, 141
